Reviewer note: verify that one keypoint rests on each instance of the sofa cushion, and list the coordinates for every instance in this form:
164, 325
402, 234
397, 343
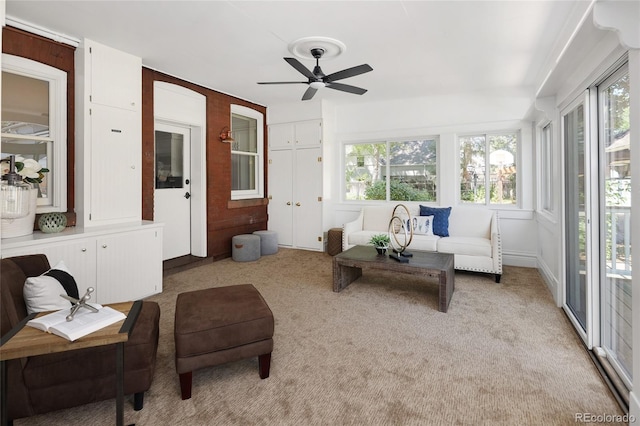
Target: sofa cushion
471, 246
424, 243
361, 238
376, 218
422, 225
440, 219
470, 222
42, 293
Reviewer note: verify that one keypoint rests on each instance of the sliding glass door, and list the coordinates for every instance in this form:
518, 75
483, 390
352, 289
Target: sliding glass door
577, 218
597, 220
615, 221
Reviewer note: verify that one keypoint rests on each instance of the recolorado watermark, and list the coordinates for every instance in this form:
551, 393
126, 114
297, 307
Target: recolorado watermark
603, 418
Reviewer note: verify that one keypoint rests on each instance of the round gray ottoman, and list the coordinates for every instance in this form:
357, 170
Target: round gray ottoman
268, 242
245, 247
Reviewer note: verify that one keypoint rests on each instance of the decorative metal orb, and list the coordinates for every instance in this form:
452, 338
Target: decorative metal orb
52, 222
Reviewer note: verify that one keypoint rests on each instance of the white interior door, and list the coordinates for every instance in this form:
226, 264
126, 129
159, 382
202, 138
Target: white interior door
308, 198
172, 196
280, 197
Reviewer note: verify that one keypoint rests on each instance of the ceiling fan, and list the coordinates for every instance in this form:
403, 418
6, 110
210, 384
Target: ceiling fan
317, 79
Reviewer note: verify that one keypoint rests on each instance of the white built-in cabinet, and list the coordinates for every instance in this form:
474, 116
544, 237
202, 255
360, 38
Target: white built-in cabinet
110, 248
121, 263
108, 136
295, 183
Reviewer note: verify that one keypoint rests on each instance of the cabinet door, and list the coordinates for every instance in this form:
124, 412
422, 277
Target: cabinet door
307, 188
308, 133
116, 77
281, 136
129, 265
280, 196
116, 191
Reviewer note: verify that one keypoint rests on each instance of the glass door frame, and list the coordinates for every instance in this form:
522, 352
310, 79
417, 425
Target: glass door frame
590, 333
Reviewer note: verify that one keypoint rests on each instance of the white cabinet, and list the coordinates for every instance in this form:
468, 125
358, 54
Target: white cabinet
120, 263
297, 134
295, 185
109, 136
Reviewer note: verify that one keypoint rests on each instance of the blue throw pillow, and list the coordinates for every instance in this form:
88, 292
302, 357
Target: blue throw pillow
440, 219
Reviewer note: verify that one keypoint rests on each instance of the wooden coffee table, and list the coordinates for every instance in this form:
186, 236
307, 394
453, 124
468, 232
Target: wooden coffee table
348, 266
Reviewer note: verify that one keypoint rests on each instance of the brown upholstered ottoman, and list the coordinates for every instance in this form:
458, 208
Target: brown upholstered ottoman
219, 325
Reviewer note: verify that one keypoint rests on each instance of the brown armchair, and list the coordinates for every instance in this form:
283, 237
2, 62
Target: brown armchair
51, 382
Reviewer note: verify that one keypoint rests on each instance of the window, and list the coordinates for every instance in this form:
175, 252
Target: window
247, 168
547, 193
34, 117
497, 183
391, 170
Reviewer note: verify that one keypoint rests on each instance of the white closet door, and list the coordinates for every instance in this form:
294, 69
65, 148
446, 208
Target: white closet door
308, 198
280, 196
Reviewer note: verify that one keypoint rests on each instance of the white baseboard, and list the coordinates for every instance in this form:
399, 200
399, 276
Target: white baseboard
551, 281
634, 406
524, 260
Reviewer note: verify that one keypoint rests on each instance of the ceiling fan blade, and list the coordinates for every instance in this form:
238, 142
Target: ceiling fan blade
347, 88
283, 82
309, 93
349, 72
301, 68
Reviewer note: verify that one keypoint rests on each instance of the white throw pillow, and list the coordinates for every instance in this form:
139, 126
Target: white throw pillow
43, 293
422, 225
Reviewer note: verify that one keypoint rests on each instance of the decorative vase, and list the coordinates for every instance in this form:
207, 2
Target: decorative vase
381, 250
10, 228
50, 223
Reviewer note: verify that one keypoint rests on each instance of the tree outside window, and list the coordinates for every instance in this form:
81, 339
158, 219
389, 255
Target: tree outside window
393, 170
499, 152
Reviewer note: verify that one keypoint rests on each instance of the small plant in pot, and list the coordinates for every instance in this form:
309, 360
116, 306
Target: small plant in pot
380, 242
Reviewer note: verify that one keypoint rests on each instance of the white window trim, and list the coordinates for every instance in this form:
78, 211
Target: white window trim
546, 169
57, 80
258, 192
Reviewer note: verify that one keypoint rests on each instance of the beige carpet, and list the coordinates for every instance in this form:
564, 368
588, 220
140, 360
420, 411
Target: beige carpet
378, 353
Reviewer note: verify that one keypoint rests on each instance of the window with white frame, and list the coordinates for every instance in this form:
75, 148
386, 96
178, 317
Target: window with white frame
247, 166
547, 190
34, 123
488, 173
397, 170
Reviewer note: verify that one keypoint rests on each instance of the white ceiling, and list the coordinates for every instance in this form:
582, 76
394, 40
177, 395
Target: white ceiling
416, 48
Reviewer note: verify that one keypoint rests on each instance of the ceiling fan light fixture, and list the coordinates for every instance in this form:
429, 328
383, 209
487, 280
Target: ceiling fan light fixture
317, 85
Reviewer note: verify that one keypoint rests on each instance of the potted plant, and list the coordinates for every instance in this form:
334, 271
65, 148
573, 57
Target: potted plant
380, 242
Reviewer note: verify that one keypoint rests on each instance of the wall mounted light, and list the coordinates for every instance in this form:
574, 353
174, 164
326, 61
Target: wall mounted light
225, 135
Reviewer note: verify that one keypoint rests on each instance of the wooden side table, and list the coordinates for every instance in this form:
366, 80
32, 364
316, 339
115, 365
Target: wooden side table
23, 341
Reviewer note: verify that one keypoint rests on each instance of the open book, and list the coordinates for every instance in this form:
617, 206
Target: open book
84, 321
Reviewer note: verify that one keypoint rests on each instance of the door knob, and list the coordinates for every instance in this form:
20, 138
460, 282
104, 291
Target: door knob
187, 195
298, 204
288, 203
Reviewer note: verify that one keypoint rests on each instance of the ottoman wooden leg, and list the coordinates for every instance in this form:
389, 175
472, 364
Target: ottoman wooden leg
185, 384
264, 362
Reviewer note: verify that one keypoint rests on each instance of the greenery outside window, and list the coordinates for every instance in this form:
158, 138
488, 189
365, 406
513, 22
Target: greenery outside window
34, 117
391, 170
488, 169
247, 168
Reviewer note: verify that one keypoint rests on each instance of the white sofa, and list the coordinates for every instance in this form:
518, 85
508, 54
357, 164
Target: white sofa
474, 235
